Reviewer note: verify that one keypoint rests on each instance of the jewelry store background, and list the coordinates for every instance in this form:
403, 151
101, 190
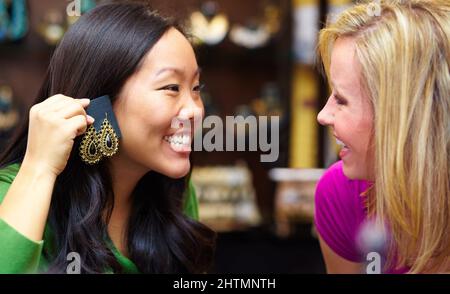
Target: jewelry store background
257, 58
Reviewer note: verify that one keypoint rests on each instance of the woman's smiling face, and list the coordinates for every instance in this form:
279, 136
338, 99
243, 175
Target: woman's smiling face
165, 87
349, 112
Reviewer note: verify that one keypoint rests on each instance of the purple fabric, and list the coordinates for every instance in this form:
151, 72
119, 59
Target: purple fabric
340, 213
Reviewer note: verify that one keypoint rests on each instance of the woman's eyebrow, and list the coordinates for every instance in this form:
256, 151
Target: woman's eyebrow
177, 71
338, 93
169, 69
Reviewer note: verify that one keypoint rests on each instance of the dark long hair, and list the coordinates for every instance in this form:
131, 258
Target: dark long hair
97, 55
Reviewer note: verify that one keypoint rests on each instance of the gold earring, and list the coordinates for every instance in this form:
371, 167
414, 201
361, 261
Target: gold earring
90, 152
108, 142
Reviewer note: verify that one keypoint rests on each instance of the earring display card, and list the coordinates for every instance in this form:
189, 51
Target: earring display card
101, 108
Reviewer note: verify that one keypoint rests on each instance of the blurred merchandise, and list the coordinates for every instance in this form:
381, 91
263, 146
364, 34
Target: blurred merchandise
9, 116
208, 25
304, 139
306, 27
244, 127
55, 22
272, 18
251, 36
294, 197
13, 20
52, 28
269, 104
227, 199
243, 110
209, 103
257, 32
335, 7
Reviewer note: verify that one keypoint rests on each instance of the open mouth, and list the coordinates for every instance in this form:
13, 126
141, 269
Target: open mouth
179, 142
344, 151
340, 143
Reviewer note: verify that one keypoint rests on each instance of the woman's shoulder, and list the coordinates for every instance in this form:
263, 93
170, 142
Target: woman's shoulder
339, 210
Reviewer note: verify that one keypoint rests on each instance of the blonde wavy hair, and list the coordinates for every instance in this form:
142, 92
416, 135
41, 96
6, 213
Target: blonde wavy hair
404, 51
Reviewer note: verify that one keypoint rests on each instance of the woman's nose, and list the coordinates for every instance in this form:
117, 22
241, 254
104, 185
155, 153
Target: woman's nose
186, 113
190, 112
188, 117
326, 116
192, 108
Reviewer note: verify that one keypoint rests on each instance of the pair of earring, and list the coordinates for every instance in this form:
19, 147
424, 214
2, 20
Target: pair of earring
94, 146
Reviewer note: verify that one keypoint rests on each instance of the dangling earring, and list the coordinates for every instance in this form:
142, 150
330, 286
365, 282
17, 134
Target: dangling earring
108, 141
90, 152
103, 143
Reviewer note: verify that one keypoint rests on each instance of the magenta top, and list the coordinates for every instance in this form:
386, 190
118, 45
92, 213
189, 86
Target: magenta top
340, 213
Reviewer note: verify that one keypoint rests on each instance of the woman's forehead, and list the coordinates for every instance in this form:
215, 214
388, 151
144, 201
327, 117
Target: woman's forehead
345, 69
172, 53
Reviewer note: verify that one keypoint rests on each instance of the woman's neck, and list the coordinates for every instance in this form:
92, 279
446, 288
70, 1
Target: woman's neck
125, 175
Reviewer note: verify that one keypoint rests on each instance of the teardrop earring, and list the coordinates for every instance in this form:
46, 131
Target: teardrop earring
108, 141
90, 152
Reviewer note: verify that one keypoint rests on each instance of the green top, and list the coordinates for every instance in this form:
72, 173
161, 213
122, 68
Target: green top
18, 254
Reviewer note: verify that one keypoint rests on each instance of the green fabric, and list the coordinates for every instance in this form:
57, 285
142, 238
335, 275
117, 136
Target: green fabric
18, 254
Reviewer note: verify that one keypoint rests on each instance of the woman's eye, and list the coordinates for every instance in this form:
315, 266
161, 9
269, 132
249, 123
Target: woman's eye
173, 88
339, 101
199, 88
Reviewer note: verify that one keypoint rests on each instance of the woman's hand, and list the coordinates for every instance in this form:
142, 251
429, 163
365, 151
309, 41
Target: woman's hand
54, 124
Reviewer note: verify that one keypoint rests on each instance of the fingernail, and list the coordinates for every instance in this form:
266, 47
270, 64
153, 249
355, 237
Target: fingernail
90, 119
85, 100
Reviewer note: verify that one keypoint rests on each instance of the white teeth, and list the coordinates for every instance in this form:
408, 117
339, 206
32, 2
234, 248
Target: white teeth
339, 142
178, 140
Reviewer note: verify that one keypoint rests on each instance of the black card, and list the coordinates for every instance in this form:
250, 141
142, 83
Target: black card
101, 108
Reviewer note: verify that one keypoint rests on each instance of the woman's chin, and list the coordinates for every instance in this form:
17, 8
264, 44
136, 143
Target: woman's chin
176, 161
178, 172
353, 173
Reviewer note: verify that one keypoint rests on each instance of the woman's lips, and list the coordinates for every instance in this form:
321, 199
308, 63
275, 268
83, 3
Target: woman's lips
344, 151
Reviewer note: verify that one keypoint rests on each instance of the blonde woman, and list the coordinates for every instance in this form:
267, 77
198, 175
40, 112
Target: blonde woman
388, 67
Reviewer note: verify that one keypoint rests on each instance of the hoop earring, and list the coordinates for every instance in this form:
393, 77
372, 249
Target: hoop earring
108, 141
90, 152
